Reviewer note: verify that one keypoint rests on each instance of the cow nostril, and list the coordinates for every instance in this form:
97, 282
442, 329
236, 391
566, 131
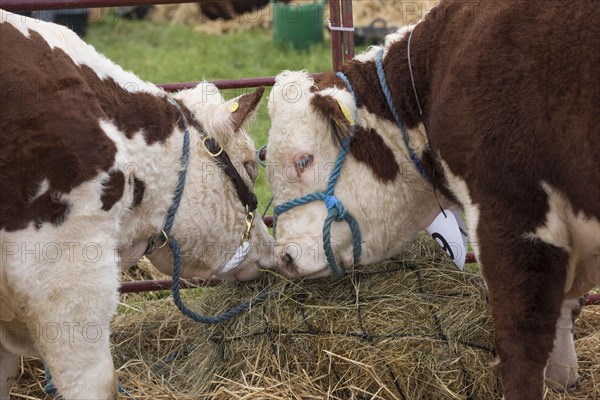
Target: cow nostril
286, 263
573, 386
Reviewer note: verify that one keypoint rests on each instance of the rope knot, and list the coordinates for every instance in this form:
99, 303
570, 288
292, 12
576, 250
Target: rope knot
335, 207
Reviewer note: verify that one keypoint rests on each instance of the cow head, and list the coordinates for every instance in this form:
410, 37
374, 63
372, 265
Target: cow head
211, 218
378, 184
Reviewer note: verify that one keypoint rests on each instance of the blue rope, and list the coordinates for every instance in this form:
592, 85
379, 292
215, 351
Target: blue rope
195, 316
175, 288
388, 97
337, 212
267, 207
335, 209
49, 388
185, 161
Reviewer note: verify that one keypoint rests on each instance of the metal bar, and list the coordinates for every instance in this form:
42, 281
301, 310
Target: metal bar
151, 286
223, 84
268, 220
35, 5
336, 37
470, 258
348, 37
592, 300
226, 83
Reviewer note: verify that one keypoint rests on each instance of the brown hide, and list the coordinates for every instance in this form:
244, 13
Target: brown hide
511, 98
49, 125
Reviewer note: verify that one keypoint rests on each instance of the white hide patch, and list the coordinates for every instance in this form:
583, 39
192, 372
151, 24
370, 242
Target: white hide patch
459, 187
209, 107
291, 88
371, 52
58, 36
43, 188
561, 369
418, 140
577, 234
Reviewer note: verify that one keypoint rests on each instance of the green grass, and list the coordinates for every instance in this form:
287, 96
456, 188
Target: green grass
166, 53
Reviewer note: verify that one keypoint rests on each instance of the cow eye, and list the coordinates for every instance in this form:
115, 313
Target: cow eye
252, 169
303, 162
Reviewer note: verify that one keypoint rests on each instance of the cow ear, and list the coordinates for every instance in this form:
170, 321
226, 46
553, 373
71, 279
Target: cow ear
243, 108
336, 112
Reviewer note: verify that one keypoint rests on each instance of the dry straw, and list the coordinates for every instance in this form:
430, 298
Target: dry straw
395, 13
411, 328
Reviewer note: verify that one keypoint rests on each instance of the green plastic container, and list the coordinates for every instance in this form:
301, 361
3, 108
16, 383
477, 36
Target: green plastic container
298, 24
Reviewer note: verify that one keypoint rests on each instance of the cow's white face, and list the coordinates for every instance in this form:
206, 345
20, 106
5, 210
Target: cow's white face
307, 124
211, 218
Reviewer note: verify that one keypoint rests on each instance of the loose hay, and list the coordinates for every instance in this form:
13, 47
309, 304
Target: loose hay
191, 15
395, 12
411, 328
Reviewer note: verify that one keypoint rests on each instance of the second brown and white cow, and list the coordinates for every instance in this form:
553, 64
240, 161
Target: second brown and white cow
509, 130
92, 160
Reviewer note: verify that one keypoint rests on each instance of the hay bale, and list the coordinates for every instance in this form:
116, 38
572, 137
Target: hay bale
395, 12
410, 328
414, 327
191, 14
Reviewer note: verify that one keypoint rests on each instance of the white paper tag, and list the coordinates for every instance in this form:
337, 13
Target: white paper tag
449, 231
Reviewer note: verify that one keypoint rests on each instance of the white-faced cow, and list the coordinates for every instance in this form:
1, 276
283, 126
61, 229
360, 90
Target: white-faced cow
93, 160
493, 106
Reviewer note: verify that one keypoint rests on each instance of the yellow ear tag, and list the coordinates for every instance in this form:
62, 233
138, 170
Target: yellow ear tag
346, 113
234, 106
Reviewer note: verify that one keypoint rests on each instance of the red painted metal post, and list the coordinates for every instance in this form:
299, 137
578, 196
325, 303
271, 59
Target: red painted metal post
35, 5
268, 220
348, 22
470, 258
336, 37
592, 300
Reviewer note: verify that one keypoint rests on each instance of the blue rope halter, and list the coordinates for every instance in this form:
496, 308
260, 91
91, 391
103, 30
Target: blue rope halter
388, 97
185, 158
335, 208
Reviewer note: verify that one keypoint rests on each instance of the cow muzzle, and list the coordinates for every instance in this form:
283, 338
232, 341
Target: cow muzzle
293, 268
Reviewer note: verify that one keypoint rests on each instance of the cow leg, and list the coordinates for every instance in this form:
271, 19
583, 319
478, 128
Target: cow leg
561, 371
525, 279
9, 364
75, 348
68, 317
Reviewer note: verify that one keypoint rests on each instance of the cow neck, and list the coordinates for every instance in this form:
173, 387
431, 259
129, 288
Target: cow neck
396, 68
248, 200
370, 95
245, 195
390, 103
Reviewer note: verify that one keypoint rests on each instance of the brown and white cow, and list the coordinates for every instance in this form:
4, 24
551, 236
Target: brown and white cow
90, 158
509, 130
